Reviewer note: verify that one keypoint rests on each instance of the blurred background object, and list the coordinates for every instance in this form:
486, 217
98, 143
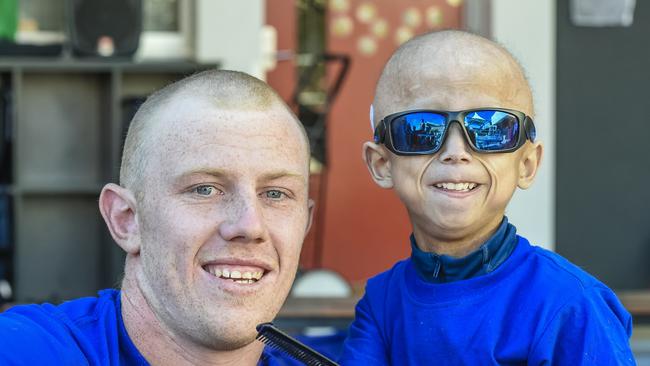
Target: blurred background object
8, 19
602, 13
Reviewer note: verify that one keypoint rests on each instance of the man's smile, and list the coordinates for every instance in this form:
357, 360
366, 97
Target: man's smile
238, 274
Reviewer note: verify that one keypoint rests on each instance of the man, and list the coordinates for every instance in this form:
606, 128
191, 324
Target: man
454, 138
211, 210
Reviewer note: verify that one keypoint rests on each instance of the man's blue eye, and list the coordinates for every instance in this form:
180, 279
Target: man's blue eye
274, 194
205, 190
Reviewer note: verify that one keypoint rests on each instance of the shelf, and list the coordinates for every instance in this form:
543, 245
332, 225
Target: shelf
637, 302
323, 308
99, 65
69, 124
7, 189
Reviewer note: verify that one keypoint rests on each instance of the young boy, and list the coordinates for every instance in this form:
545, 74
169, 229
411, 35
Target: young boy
454, 137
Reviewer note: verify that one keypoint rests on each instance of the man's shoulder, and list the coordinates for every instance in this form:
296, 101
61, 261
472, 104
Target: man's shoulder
77, 311
61, 332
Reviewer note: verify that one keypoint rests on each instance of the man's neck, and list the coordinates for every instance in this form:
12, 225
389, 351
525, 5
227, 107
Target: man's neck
456, 246
160, 346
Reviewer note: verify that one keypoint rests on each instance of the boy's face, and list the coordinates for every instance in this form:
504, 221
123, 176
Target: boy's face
455, 194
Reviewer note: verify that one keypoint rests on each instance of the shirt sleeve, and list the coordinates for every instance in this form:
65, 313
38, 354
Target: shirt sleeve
593, 328
35, 339
364, 344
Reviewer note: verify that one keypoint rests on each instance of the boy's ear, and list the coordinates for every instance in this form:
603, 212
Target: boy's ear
378, 164
529, 164
117, 205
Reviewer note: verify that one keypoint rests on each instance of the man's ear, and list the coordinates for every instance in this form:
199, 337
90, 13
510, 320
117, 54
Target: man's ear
529, 164
117, 205
376, 158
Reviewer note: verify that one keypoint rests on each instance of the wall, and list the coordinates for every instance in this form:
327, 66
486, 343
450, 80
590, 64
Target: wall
229, 32
367, 228
603, 221
527, 29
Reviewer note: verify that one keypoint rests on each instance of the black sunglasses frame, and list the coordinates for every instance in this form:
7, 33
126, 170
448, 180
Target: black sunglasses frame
528, 131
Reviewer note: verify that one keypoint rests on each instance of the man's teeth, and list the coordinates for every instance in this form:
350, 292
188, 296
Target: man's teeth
456, 186
237, 276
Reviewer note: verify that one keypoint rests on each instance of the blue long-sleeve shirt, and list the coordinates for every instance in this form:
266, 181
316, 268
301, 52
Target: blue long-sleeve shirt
536, 308
87, 331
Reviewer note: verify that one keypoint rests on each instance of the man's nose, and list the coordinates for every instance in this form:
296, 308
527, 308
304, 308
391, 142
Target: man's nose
244, 221
456, 148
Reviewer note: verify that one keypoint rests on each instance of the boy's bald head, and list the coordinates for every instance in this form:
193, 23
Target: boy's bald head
446, 65
455, 197
223, 89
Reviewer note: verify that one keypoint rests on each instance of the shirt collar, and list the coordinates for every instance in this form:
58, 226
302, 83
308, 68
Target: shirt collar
437, 268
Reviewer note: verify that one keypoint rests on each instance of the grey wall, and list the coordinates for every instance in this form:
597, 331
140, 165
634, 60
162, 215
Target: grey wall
603, 148
527, 29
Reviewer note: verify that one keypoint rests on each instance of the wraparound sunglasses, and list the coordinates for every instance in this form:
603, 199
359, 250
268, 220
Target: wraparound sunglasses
423, 131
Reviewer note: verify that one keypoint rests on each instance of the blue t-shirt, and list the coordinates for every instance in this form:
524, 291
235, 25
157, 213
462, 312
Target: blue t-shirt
536, 308
87, 331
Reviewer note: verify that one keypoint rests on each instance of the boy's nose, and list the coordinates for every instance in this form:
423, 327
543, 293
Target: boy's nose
455, 149
244, 222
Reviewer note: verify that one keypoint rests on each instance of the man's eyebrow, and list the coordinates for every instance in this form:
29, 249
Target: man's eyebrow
220, 173
200, 171
282, 174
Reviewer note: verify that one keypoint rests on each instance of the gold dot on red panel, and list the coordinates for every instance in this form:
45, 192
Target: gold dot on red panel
366, 12
367, 45
403, 34
339, 5
412, 17
454, 2
379, 28
342, 26
433, 15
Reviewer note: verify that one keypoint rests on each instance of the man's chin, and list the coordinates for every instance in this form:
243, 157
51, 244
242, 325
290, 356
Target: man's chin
227, 340
232, 344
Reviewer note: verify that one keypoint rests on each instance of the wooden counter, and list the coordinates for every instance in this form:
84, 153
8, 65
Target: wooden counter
637, 302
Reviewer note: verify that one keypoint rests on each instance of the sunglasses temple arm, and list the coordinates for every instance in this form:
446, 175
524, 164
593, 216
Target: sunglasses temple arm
529, 128
379, 133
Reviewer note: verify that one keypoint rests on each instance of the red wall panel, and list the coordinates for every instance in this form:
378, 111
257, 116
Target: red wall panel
365, 229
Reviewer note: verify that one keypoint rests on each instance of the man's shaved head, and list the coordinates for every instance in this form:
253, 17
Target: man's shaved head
223, 89
447, 65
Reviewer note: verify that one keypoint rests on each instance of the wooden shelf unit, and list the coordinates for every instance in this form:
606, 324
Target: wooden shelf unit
68, 122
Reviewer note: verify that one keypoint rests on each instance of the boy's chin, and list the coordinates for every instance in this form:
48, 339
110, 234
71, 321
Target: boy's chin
457, 225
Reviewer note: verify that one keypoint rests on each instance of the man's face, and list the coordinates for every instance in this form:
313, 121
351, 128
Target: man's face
222, 221
456, 194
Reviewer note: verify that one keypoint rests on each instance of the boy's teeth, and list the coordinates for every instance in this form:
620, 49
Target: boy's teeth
456, 186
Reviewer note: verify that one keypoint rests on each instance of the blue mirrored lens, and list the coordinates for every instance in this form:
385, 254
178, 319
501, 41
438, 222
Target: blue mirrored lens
418, 132
492, 130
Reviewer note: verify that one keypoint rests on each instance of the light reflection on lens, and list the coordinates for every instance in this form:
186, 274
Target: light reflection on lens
492, 130
418, 132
